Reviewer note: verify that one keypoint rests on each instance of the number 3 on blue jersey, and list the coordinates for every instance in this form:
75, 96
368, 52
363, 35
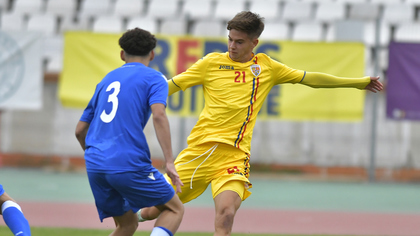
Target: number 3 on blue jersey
114, 99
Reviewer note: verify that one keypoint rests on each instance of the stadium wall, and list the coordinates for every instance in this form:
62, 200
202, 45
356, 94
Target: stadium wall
45, 138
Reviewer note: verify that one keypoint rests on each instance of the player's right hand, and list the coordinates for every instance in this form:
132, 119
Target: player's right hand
171, 172
375, 85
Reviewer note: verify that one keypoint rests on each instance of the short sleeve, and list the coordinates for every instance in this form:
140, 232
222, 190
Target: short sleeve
89, 111
193, 75
284, 74
158, 92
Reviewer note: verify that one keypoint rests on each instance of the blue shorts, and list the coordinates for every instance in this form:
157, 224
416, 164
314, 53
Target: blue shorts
1, 190
115, 194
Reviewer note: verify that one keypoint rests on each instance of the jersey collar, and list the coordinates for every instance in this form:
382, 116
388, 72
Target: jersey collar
251, 60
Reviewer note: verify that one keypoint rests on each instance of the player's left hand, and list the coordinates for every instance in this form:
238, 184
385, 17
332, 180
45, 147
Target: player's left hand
375, 85
171, 172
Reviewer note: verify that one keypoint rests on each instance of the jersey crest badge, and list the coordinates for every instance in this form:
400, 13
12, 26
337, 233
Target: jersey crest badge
256, 70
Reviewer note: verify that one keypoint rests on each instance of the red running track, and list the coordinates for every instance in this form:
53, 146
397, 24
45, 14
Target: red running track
71, 215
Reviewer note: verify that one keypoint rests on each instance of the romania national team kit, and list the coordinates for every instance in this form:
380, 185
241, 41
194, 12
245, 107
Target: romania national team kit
219, 145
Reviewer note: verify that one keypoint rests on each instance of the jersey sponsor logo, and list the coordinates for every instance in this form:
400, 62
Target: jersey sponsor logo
256, 70
225, 67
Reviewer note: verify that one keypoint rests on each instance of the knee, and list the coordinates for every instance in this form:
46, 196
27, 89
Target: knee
132, 227
224, 221
128, 229
180, 209
135, 226
226, 214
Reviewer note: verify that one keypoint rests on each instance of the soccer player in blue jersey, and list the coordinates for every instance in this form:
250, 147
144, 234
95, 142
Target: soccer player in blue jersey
12, 215
117, 155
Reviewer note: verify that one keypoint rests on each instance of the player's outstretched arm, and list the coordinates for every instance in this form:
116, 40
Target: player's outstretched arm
322, 80
173, 88
163, 133
81, 132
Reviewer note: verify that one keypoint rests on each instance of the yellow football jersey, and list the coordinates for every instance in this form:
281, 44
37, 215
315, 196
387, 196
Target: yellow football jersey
234, 93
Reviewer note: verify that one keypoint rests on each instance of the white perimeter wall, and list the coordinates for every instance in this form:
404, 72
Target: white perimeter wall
50, 131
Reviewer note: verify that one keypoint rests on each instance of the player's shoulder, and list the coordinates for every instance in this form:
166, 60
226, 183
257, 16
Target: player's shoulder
215, 56
264, 57
152, 71
267, 60
151, 76
209, 59
145, 71
157, 74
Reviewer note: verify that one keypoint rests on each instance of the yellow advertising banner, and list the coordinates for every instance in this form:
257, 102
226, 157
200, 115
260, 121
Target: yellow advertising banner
88, 57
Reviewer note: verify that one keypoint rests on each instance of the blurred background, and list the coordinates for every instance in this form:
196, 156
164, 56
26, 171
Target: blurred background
39, 132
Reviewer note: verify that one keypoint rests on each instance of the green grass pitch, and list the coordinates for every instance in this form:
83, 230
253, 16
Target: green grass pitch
40, 231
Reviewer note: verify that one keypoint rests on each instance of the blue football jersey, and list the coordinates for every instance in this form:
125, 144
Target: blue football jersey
118, 113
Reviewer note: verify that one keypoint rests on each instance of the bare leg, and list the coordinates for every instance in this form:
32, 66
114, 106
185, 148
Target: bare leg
5, 197
171, 214
226, 204
150, 213
126, 224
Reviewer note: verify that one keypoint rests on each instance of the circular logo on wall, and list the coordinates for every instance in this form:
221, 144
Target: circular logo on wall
12, 66
397, 113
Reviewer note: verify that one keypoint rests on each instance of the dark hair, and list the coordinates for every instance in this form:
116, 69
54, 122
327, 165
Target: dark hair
137, 42
250, 23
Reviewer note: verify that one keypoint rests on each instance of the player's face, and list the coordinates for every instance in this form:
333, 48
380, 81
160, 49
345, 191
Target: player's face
240, 46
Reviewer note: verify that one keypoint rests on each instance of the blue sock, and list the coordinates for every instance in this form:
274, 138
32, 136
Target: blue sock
14, 219
161, 231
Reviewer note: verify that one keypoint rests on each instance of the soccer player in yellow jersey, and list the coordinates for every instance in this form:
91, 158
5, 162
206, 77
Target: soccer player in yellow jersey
235, 86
